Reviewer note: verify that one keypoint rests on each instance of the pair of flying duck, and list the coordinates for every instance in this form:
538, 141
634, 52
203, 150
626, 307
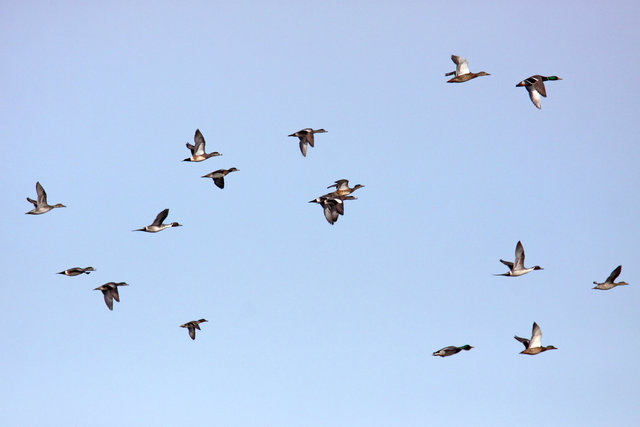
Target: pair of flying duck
333, 203
532, 346
533, 84
198, 154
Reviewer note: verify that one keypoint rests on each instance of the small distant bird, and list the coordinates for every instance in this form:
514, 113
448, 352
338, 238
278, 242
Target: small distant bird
110, 292
534, 345
332, 206
218, 176
535, 86
41, 205
192, 326
609, 283
306, 136
462, 71
518, 268
75, 271
342, 188
197, 151
451, 350
157, 224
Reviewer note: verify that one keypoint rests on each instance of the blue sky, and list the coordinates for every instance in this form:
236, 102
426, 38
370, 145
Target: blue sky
312, 324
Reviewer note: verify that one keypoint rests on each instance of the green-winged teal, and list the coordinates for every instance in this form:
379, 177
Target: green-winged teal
306, 136
534, 345
192, 326
218, 176
535, 86
197, 150
518, 268
462, 71
41, 206
157, 224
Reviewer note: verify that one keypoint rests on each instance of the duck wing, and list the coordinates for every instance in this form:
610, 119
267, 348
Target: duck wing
35, 204
108, 298
523, 341
192, 332
507, 263
536, 336
42, 195
199, 140
519, 263
161, 217
614, 274
219, 182
303, 146
462, 66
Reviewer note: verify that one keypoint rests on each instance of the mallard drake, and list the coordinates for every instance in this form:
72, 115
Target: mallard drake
535, 86
462, 71
518, 268
218, 176
157, 224
197, 150
110, 292
609, 283
75, 271
306, 136
332, 206
534, 346
192, 326
41, 206
342, 188
451, 350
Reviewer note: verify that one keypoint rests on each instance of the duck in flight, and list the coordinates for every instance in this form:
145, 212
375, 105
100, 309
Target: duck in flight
462, 71
332, 206
75, 271
157, 224
451, 350
534, 345
197, 150
610, 282
192, 326
41, 206
517, 268
110, 292
306, 137
218, 176
535, 86
342, 188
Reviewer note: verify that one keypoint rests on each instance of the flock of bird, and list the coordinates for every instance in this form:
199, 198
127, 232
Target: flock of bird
333, 206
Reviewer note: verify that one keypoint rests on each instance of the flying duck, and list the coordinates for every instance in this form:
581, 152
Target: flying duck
218, 176
306, 136
332, 205
609, 283
535, 86
451, 350
41, 206
518, 268
157, 224
534, 346
110, 292
462, 71
197, 151
342, 188
192, 326
75, 271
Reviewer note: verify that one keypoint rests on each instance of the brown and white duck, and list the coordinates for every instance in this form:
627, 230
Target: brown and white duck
306, 137
462, 71
218, 176
197, 150
41, 206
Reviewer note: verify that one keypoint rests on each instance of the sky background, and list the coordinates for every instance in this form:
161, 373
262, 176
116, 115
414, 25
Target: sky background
312, 324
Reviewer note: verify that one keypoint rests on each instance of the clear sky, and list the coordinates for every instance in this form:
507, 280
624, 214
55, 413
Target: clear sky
312, 324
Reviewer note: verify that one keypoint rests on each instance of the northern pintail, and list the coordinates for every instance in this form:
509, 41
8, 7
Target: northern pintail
157, 224
41, 206
609, 283
462, 71
218, 176
451, 350
197, 151
110, 292
75, 271
534, 345
342, 188
306, 136
535, 86
192, 326
332, 206
518, 268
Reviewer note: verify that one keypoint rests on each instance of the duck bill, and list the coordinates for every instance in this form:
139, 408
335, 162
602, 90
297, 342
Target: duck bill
520, 84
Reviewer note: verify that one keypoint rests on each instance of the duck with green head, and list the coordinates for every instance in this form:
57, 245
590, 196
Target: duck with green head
535, 86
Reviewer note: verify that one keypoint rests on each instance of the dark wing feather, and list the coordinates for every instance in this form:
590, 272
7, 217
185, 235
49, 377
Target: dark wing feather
42, 195
524, 341
108, 299
219, 182
614, 274
161, 217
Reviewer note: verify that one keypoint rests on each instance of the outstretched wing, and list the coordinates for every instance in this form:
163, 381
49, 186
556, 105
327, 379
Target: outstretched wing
519, 263
462, 66
524, 341
303, 146
42, 195
199, 140
614, 274
161, 217
536, 336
